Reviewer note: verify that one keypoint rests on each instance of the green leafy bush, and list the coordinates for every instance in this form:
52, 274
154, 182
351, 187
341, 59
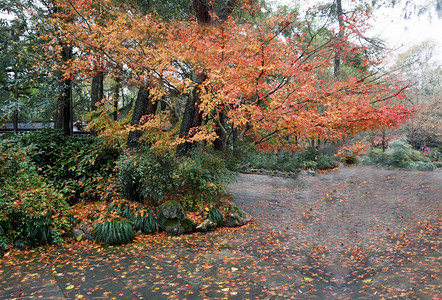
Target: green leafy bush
145, 176
79, 167
202, 178
426, 166
269, 160
123, 209
235, 209
147, 223
114, 231
29, 207
213, 214
400, 155
326, 161
148, 177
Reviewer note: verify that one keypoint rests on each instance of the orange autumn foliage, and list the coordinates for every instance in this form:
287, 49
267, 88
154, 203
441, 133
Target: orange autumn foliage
268, 84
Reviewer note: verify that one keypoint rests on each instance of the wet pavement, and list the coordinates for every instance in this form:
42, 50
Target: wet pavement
357, 233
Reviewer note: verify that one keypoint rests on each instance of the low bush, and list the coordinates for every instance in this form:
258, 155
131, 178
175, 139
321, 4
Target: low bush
213, 214
145, 176
202, 179
78, 167
114, 231
235, 210
400, 155
426, 166
326, 161
148, 177
146, 222
123, 209
30, 208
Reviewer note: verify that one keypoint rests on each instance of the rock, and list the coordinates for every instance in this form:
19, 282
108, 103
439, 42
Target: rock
177, 227
187, 225
311, 173
174, 219
172, 210
171, 226
247, 217
233, 220
206, 225
83, 232
22, 244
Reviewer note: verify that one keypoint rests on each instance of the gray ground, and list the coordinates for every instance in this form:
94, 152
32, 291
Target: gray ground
358, 233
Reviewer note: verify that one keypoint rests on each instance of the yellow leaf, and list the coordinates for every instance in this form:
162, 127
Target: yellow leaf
308, 279
367, 280
70, 287
225, 289
234, 269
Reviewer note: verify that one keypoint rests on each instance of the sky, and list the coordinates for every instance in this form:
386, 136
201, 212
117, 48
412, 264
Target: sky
399, 33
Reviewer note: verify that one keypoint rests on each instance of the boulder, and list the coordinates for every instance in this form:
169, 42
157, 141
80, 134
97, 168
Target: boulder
206, 225
83, 232
172, 210
233, 220
174, 219
22, 244
177, 227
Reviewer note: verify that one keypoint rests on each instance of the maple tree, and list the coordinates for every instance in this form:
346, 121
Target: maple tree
257, 79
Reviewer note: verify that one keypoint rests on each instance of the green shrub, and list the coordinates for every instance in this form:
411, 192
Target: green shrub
145, 176
365, 160
401, 155
438, 164
202, 178
234, 209
29, 207
114, 231
309, 164
426, 166
213, 214
79, 167
123, 209
399, 158
326, 161
251, 157
147, 223
409, 165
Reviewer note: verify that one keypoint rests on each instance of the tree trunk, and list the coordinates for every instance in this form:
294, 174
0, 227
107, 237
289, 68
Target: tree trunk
235, 139
337, 67
143, 106
63, 114
384, 142
97, 89
191, 117
16, 96
221, 141
116, 96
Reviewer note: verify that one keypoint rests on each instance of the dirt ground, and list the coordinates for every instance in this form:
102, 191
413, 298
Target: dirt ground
355, 233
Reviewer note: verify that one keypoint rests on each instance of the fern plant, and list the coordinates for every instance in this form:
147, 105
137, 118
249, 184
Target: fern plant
114, 231
122, 209
213, 214
147, 223
232, 208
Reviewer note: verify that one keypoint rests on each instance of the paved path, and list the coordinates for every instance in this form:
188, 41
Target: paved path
358, 233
